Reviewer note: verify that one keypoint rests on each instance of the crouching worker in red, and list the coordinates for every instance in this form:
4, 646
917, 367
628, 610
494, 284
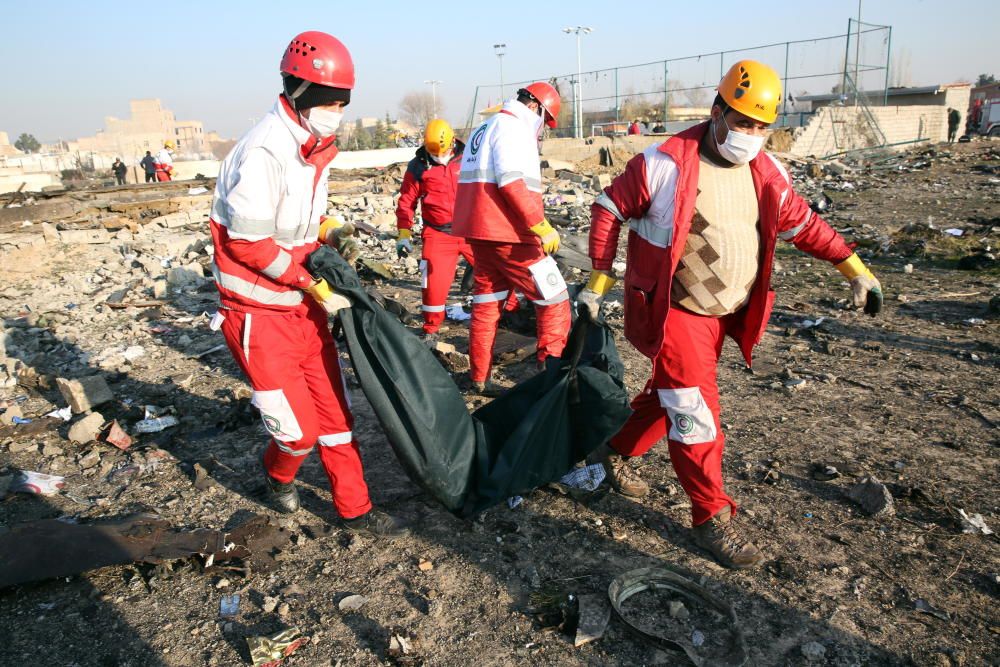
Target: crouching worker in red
705, 210
266, 217
499, 210
431, 180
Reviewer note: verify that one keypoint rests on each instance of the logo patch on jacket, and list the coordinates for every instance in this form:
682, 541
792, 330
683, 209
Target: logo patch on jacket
477, 139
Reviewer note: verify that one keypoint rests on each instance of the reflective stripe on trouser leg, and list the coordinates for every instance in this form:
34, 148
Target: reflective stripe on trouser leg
338, 451
683, 396
440, 253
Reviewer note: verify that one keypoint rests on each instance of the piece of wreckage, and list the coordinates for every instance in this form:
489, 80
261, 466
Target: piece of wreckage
51, 548
529, 436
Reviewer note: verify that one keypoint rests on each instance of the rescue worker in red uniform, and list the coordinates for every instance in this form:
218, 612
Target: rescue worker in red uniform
499, 210
267, 217
164, 162
432, 180
705, 209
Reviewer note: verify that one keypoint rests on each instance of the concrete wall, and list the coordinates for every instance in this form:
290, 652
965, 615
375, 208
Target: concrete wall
574, 150
837, 129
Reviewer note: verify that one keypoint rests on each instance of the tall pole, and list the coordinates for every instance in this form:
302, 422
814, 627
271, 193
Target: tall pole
578, 92
499, 49
857, 58
434, 105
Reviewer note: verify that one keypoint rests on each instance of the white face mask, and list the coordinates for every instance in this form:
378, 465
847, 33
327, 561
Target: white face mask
739, 147
323, 123
539, 125
443, 159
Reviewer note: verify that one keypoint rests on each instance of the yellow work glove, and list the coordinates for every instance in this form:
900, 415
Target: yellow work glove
592, 295
866, 289
404, 246
549, 236
339, 235
323, 294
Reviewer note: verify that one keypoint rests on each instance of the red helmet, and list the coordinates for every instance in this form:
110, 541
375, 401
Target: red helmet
319, 58
548, 98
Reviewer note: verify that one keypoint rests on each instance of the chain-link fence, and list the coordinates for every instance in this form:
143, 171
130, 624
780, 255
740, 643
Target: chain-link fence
669, 95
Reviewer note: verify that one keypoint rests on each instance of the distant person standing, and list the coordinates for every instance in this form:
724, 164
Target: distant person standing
954, 118
165, 162
148, 165
119, 169
634, 128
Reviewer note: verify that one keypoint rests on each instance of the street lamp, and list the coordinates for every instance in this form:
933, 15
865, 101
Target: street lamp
578, 121
499, 49
434, 105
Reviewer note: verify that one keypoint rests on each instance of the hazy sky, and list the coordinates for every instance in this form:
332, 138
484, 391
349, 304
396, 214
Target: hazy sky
65, 65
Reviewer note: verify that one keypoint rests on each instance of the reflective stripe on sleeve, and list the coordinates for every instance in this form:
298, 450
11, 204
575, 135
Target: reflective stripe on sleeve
604, 201
255, 292
250, 227
275, 269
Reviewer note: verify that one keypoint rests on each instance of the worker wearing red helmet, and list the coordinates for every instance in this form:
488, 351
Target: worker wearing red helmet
431, 180
499, 210
267, 217
705, 210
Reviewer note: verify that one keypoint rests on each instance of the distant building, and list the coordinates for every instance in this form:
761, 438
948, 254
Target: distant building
6, 148
954, 95
147, 127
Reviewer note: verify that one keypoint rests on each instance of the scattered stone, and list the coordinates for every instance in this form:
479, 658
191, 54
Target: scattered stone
85, 393
270, 604
223, 583
86, 429
84, 236
352, 603
600, 181
813, 651
90, 459
18, 446
9, 415
873, 497
425, 565
678, 610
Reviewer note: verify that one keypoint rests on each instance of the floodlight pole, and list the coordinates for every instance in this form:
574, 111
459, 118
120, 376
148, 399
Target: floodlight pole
578, 93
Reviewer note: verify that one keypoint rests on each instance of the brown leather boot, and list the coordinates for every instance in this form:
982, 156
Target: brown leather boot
719, 536
623, 477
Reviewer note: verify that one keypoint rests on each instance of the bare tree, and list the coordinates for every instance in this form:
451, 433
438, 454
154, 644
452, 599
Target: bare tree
417, 107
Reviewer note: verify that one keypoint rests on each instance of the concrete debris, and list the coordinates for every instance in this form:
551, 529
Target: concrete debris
86, 429
85, 393
873, 497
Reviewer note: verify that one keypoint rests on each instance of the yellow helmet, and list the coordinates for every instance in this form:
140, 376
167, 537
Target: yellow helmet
753, 89
169, 144
439, 138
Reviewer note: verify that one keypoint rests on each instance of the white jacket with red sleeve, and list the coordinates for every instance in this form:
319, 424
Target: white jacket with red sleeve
499, 194
656, 195
269, 198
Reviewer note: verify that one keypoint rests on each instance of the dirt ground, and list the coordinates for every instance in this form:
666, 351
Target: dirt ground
910, 398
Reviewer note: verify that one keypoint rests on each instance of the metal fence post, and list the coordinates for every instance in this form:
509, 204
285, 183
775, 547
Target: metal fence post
784, 84
666, 93
888, 64
617, 103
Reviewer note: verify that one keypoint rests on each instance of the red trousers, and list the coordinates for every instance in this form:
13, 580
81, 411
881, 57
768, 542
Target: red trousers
501, 268
437, 267
683, 395
292, 363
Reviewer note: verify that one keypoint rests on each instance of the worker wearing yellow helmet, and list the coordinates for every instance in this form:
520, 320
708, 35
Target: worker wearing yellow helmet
705, 211
431, 180
164, 161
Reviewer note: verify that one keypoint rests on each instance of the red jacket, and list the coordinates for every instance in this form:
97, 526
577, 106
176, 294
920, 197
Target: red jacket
433, 185
656, 193
500, 183
270, 196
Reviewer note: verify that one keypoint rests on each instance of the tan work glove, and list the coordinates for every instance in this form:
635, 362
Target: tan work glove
323, 294
549, 236
339, 235
592, 295
865, 287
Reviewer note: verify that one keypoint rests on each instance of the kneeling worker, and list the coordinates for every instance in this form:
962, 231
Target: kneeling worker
705, 209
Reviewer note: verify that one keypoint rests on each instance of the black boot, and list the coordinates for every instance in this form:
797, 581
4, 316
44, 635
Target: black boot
377, 523
284, 497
